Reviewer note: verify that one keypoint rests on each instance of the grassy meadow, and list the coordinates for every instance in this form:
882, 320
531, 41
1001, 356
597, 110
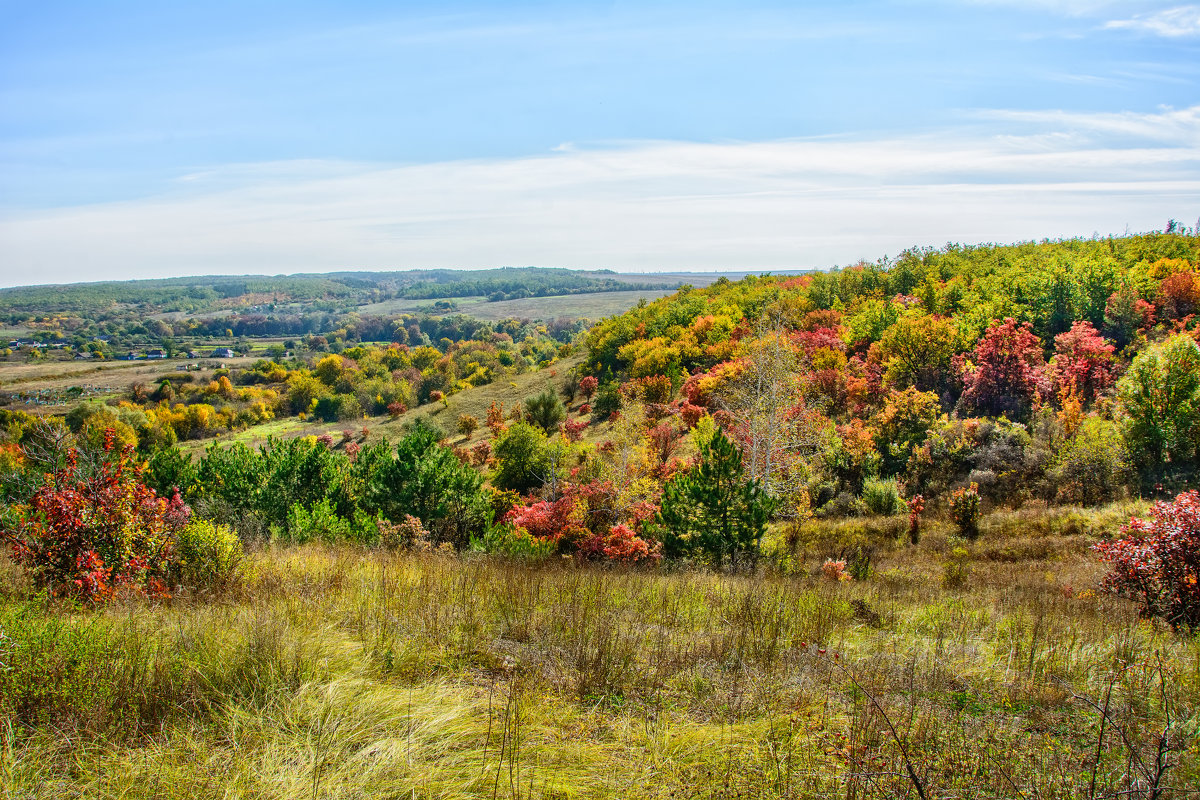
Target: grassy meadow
992, 669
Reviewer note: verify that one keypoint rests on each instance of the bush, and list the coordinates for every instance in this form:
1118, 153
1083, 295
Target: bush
86, 534
407, 533
467, 424
1092, 466
512, 542
964, 510
1158, 561
882, 497
322, 523
521, 459
208, 556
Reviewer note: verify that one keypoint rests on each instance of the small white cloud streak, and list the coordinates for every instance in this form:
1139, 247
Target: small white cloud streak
640, 206
1173, 23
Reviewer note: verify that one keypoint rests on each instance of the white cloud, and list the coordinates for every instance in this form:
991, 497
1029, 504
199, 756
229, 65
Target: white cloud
1176, 22
640, 205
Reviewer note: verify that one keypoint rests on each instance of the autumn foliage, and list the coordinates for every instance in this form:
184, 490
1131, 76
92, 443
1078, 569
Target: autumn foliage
89, 533
1157, 562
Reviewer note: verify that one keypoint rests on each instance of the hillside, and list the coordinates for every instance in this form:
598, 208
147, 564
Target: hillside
883, 531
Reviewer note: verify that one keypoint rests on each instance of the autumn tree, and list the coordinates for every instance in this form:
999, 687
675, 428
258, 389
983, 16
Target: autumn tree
903, 425
765, 414
1007, 373
1083, 361
918, 351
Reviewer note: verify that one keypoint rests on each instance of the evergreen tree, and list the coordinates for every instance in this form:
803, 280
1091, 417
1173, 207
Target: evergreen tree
545, 410
428, 481
713, 510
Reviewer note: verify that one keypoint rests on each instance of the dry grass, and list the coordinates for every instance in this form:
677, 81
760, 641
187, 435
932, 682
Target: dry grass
350, 673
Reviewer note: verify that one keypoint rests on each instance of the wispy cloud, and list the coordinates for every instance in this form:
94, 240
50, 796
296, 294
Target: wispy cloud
1177, 22
640, 205
1169, 126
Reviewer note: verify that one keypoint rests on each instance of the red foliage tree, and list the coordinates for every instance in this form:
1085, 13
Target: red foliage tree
1178, 296
1083, 360
495, 418
663, 439
1007, 375
1157, 562
588, 385
89, 533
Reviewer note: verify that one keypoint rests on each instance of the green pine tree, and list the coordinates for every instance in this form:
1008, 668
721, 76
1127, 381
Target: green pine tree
713, 511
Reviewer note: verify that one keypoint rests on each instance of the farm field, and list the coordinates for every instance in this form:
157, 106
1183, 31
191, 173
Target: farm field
339, 672
593, 306
44, 385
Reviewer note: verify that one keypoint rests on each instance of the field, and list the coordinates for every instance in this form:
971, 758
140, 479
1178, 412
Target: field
593, 306
44, 385
358, 673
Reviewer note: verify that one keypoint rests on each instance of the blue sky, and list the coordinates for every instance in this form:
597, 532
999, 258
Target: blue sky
141, 139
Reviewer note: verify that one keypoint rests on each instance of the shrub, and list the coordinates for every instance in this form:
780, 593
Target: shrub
208, 556
402, 535
834, 570
512, 542
587, 386
608, 401
916, 505
618, 544
573, 429
1092, 466
882, 497
1157, 562
521, 455
467, 425
321, 522
86, 534
964, 510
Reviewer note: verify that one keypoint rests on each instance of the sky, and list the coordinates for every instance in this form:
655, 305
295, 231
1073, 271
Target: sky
150, 139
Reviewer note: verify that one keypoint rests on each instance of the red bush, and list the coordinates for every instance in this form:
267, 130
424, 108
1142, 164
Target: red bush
1157, 562
587, 386
620, 544
573, 429
89, 533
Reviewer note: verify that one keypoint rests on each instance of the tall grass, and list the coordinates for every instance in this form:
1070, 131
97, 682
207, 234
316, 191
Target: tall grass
353, 673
